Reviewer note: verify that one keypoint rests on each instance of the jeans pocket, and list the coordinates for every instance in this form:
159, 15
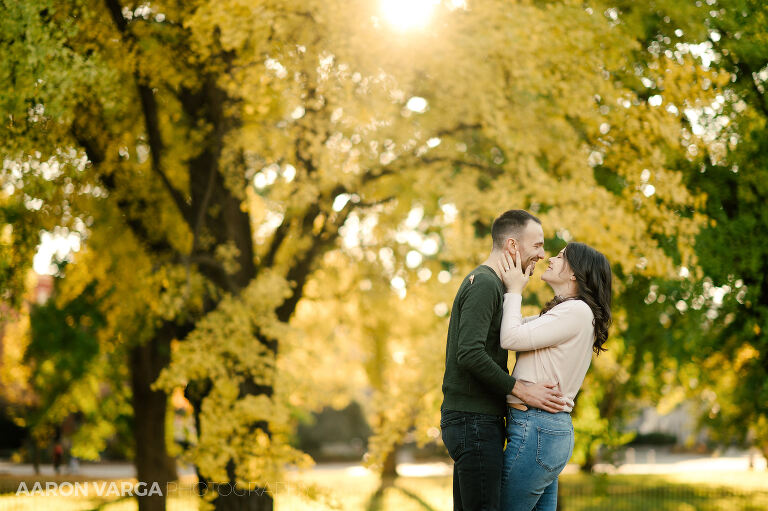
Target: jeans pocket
448, 418
516, 418
454, 433
554, 448
516, 434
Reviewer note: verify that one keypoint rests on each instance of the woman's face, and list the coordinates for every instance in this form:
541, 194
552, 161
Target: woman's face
558, 271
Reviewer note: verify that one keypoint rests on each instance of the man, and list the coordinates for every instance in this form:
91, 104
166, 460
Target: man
476, 379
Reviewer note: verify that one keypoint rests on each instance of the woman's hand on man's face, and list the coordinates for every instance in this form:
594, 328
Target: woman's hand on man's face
514, 276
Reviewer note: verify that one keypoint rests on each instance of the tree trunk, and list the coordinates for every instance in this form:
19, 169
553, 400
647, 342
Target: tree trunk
243, 500
588, 465
388, 476
764, 450
389, 468
589, 460
153, 464
232, 498
35, 455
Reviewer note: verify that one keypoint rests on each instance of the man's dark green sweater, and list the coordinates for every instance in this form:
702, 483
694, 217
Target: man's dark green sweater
476, 377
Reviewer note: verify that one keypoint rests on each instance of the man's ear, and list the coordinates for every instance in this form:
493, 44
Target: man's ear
511, 245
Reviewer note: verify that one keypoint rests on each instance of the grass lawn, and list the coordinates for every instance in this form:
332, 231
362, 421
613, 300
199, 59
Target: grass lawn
673, 492
356, 490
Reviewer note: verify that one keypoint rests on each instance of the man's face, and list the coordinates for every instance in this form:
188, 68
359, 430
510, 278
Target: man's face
530, 244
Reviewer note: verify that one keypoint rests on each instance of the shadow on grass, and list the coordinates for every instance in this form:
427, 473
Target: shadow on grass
416, 498
376, 502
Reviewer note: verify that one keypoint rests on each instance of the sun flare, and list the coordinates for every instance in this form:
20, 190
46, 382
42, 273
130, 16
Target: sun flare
408, 14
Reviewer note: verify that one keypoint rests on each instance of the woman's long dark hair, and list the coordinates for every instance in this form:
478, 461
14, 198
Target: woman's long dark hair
593, 278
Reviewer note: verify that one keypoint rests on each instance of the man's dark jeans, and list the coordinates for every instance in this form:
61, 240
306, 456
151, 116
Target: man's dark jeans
475, 442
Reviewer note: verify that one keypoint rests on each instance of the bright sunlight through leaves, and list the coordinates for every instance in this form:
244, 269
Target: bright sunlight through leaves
408, 14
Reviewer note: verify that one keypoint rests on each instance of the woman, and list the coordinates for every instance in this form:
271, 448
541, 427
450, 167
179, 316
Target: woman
554, 346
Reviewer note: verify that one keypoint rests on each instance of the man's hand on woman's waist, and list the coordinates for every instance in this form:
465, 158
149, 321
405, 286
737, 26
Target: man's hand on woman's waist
545, 396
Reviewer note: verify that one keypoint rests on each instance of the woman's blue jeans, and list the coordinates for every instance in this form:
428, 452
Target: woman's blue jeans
539, 444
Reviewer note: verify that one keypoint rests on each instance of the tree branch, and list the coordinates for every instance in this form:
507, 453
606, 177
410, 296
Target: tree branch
152, 125
377, 202
459, 127
463, 163
97, 156
302, 267
151, 122
277, 241
116, 11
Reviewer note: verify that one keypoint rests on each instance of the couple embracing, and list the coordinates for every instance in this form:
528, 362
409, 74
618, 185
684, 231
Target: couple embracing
483, 404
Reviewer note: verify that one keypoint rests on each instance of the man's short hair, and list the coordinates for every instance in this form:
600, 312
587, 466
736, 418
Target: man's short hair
510, 224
